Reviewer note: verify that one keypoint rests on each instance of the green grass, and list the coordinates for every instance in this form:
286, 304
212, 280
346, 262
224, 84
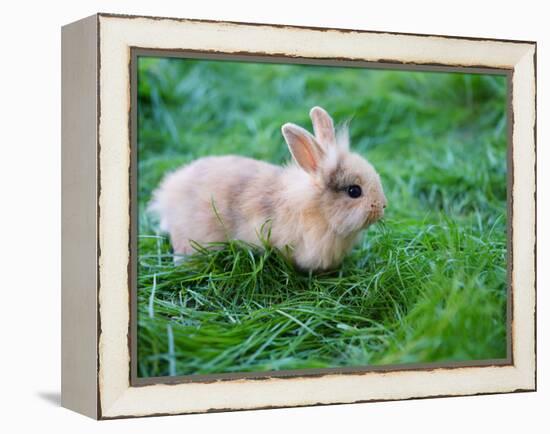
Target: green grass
427, 284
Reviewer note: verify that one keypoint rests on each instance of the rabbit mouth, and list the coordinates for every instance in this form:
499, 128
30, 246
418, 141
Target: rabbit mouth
369, 221
372, 217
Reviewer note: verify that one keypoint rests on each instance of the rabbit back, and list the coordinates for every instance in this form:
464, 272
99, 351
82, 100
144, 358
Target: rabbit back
214, 199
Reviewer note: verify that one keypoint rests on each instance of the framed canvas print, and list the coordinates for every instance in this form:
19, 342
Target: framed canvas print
262, 216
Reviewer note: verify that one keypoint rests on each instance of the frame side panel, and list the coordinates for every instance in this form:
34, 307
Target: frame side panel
79, 217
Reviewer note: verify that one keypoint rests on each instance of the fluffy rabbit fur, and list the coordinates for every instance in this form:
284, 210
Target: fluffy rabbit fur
307, 206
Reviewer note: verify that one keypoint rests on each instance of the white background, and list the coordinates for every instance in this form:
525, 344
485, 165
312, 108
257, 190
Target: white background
30, 216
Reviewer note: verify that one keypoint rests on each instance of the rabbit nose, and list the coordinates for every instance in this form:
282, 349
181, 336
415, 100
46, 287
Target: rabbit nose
376, 211
377, 206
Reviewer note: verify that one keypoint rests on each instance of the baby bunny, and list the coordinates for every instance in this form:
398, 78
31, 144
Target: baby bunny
317, 206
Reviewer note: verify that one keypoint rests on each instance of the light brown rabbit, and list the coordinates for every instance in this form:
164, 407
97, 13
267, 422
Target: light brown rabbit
316, 207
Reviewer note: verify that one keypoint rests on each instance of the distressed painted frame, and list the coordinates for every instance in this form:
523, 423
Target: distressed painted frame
97, 52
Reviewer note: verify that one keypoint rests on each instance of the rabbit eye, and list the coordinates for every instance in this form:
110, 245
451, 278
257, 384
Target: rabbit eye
354, 191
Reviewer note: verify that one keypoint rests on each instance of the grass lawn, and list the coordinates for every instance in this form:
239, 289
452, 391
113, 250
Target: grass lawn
427, 284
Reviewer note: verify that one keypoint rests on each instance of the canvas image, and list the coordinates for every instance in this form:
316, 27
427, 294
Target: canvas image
304, 218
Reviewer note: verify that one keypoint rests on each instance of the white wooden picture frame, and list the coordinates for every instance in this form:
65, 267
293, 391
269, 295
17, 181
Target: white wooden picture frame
96, 248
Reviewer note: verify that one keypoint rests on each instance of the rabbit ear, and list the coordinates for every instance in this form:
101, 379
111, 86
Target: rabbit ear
323, 127
342, 136
304, 148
